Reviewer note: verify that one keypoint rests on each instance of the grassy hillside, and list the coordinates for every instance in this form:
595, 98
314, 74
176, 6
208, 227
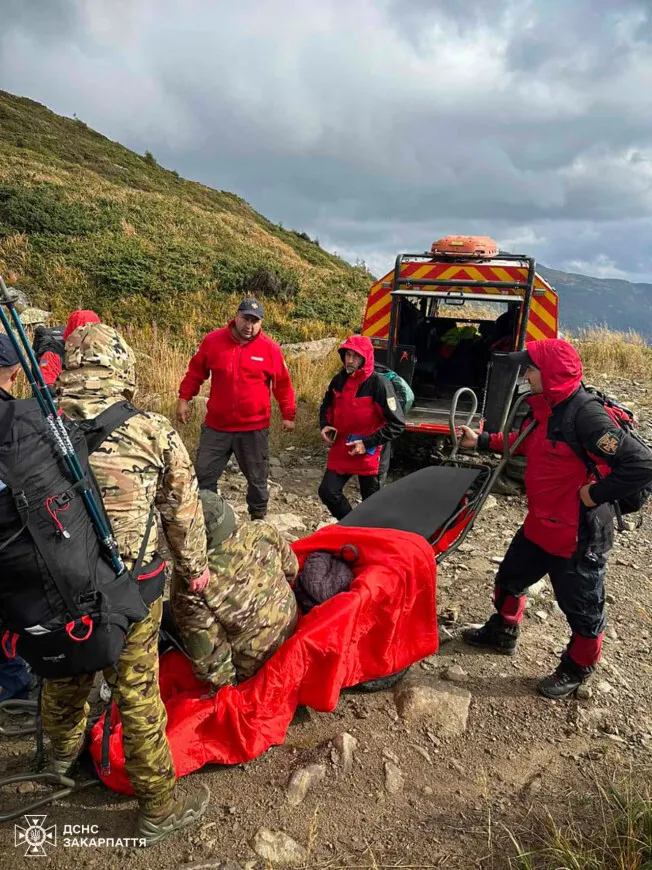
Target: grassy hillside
87, 222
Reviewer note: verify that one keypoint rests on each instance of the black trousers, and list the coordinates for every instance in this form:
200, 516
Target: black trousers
251, 451
578, 584
332, 486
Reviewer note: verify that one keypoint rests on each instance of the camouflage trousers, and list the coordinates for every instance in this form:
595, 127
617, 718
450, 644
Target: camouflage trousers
135, 688
222, 658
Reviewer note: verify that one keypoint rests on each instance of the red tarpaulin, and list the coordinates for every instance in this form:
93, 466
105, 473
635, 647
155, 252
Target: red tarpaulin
387, 621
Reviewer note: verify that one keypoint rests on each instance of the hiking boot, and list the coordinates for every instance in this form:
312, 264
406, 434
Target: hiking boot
562, 683
63, 766
181, 812
257, 515
495, 635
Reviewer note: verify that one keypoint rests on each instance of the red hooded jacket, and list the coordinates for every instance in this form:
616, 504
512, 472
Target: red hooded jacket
363, 404
241, 376
50, 363
554, 473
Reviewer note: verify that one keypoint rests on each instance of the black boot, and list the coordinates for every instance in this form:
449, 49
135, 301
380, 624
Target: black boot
257, 515
566, 679
495, 634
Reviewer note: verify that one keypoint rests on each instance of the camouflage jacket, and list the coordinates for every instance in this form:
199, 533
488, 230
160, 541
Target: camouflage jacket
142, 462
248, 608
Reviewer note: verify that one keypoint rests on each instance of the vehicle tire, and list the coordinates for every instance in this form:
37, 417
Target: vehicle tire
515, 469
382, 684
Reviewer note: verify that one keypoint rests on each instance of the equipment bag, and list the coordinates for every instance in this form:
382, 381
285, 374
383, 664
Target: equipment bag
62, 607
48, 338
403, 390
624, 418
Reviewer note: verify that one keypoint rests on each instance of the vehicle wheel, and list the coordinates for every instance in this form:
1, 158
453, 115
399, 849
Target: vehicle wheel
382, 684
515, 469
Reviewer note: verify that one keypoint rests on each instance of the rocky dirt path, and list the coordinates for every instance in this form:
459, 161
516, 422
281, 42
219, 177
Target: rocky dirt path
433, 775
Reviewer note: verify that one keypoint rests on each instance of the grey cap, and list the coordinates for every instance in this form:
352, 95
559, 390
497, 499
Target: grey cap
252, 307
219, 517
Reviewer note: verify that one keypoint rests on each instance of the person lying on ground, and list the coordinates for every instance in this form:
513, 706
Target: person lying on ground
247, 608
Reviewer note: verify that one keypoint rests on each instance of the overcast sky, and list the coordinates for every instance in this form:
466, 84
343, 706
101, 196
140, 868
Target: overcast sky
375, 125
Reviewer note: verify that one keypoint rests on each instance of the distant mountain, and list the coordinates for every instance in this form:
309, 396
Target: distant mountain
586, 301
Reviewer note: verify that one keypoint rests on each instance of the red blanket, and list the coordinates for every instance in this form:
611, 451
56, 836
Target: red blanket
387, 621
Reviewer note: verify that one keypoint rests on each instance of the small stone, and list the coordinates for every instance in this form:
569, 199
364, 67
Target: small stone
274, 462
450, 616
533, 787
278, 848
26, 788
457, 766
541, 614
428, 791
490, 503
302, 780
610, 599
584, 692
604, 687
345, 745
455, 674
286, 522
394, 781
537, 589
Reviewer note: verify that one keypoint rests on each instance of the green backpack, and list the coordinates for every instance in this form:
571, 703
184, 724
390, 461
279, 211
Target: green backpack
403, 390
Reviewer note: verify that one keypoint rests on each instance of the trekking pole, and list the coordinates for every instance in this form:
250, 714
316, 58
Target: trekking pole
30, 366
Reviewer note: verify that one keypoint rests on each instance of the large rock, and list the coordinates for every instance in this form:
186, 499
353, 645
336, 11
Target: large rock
444, 707
314, 350
302, 780
278, 848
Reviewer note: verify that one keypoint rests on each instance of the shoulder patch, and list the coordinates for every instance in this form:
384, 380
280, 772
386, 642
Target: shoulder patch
607, 443
391, 403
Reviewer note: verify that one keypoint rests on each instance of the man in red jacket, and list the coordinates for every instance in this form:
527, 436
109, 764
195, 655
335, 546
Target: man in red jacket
359, 414
568, 530
242, 363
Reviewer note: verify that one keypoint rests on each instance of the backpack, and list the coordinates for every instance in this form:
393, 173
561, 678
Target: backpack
403, 390
62, 607
48, 339
624, 418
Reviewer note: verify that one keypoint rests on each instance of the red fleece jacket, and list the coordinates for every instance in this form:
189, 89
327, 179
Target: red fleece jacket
241, 376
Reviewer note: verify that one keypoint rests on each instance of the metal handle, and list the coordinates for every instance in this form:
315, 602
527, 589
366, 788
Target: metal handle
453, 414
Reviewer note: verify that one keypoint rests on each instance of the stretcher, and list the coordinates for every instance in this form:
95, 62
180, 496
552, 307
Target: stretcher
386, 622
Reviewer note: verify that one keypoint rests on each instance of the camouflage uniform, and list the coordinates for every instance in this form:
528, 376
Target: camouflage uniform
248, 608
141, 462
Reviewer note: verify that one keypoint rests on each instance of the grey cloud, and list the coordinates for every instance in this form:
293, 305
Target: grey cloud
378, 124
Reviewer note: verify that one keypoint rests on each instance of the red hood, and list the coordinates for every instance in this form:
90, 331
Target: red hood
560, 367
77, 319
362, 345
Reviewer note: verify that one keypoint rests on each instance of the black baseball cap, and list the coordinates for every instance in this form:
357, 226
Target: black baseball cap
252, 307
8, 356
522, 358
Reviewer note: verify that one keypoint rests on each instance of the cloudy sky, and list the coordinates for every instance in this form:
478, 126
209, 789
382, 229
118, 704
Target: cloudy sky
375, 125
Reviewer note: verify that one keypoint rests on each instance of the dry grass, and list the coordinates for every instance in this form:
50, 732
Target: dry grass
613, 354
611, 832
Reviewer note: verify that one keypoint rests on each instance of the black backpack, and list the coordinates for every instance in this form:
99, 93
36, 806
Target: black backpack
48, 338
62, 607
624, 418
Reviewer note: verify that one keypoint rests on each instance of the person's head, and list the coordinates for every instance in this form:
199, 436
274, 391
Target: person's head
552, 367
248, 319
98, 363
219, 517
9, 364
79, 318
352, 361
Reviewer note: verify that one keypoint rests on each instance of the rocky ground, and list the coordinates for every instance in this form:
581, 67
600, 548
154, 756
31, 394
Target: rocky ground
432, 775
